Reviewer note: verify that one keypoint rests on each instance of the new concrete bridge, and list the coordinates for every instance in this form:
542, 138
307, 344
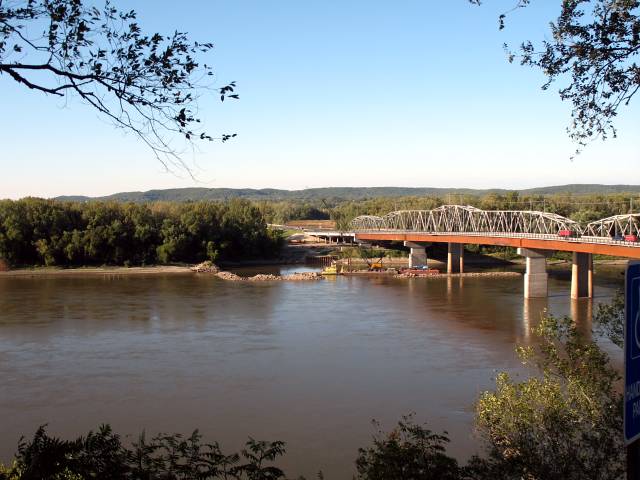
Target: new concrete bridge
535, 234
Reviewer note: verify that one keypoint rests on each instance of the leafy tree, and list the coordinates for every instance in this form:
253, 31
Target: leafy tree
593, 51
610, 319
103, 456
46, 232
144, 83
565, 423
408, 452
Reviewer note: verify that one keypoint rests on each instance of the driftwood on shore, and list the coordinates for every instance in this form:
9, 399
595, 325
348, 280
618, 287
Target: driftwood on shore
262, 277
205, 267
304, 276
210, 267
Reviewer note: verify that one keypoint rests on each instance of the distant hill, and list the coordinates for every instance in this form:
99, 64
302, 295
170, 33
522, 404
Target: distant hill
582, 189
337, 193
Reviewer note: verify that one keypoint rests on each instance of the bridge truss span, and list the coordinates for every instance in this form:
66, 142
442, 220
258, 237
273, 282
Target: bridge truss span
533, 233
615, 227
452, 219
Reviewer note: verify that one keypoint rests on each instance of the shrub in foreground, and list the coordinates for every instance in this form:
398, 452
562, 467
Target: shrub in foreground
102, 455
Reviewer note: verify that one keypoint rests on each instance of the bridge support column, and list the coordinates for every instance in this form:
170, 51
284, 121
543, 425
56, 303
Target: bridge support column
417, 254
582, 275
535, 278
455, 258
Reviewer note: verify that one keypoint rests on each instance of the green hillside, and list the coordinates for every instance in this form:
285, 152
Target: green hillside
342, 193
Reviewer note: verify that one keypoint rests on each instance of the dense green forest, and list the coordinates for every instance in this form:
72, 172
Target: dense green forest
46, 232
50, 232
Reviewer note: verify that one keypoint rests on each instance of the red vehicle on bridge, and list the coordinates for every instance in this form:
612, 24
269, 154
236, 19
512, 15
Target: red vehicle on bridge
567, 233
630, 238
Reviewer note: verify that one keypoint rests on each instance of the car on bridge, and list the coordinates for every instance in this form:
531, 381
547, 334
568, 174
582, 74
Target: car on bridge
624, 238
567, 233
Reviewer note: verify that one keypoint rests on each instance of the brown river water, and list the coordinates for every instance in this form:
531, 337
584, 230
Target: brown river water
310, 363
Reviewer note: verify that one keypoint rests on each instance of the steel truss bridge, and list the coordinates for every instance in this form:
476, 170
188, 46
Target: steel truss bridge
527, 229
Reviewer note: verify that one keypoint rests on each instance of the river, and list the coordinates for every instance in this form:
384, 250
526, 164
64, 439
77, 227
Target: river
310, 363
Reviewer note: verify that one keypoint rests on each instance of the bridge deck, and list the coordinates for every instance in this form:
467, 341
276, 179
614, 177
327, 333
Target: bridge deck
328, 233
595, 245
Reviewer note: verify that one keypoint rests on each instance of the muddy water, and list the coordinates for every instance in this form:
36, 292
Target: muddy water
308, 363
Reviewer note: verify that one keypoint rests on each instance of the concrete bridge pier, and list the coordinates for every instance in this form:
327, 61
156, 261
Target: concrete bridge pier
455, 258
536, 277
582, 275
417, 254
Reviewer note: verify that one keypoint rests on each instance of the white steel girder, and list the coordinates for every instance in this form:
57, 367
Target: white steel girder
618, 225
468, 219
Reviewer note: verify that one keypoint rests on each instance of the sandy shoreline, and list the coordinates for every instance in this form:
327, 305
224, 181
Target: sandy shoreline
184, 269
44, 271
224, 275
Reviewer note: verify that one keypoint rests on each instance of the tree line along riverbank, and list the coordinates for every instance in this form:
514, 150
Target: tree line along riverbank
38, 232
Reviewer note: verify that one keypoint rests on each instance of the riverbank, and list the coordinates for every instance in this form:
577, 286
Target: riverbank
292, 255
57, 271
187, 269
267, 277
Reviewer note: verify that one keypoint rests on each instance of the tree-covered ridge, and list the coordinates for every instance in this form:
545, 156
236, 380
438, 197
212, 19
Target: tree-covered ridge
46, 232
335, 194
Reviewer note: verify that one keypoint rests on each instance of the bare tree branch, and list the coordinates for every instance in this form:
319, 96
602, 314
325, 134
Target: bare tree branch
593, 51
145, 84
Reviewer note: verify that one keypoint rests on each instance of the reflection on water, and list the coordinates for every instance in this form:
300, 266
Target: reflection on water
581, 312
532, 310
306, 362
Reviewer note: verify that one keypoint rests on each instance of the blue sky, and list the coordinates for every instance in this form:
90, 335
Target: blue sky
333, 93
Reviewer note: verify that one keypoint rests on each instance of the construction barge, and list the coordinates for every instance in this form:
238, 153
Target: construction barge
377, 269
